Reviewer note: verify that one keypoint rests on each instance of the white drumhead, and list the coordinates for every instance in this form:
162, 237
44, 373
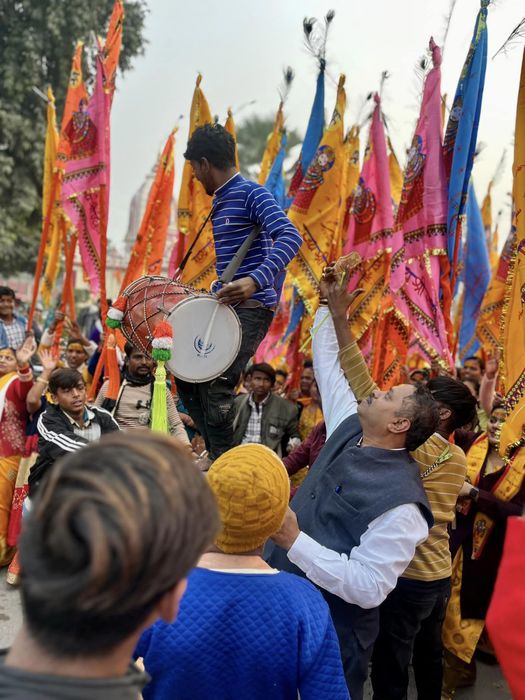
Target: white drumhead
193, 321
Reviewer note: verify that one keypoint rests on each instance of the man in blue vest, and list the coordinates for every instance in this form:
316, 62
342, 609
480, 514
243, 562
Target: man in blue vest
354, 524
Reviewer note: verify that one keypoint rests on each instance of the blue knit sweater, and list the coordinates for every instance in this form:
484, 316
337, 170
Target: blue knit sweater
245, 636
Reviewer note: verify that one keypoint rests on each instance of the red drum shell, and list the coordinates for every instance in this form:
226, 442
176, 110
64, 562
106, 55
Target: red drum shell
149, 300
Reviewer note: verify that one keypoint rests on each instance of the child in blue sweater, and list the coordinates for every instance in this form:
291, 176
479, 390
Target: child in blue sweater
245, 630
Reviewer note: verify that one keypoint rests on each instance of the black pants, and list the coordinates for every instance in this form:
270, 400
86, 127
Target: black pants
356, 631
411, 621
355, 664
210, 404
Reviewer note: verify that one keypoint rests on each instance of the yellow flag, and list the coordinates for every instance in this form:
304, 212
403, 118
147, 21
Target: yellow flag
194, 206
491, 238
273, 146
315, 210
349, 180
53, 245
514, 313
396, 175
486, 209
229, 125
493, 249
488, 328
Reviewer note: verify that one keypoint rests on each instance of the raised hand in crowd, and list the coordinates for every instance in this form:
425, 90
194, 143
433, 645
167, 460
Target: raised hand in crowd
436, 370
26, 351
57, 318
487, 387
34, 398
48, 361
492, 366
333, 287
74, 331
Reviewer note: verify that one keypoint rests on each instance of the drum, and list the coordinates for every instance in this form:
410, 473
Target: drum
206, 334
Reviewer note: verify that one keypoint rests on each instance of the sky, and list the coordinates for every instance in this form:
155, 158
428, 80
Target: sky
242, 46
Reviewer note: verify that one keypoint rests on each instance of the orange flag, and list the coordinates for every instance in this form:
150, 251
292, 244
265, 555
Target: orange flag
148, 250
112, 45
76, 91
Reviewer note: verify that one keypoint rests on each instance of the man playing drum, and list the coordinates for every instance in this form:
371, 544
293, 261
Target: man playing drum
238, 206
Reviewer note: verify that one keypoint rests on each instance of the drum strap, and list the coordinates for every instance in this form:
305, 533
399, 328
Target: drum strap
185, 259
239, 255
236, 261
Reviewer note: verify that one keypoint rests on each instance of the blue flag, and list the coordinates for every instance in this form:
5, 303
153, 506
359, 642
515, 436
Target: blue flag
461, 134
275, 180
313, 136
298, 311
476, 277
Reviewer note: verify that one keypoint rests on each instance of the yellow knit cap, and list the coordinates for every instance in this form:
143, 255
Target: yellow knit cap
252, 489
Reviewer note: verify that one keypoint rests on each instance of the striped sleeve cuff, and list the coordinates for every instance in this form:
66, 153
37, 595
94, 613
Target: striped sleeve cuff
356, 371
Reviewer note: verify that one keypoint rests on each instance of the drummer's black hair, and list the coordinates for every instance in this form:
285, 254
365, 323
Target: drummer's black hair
214, 143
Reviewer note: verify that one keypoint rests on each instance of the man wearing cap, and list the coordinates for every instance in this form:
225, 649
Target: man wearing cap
263, 417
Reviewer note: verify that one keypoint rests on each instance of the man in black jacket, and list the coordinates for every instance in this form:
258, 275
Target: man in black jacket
68, 424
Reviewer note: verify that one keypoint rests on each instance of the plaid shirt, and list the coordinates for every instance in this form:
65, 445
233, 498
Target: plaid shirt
15, 333
253, 429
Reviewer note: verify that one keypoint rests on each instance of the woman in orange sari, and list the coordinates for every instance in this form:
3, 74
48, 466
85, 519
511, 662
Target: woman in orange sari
494, 490
16, 379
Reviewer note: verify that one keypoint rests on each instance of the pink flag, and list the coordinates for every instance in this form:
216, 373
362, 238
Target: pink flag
273, 346
85, 184
370, 229
422, 219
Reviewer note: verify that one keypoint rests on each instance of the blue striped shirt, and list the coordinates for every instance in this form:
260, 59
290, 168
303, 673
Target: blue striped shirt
238, 205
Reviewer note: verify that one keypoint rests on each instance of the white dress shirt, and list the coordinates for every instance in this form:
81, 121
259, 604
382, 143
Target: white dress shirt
367, 575
338, 399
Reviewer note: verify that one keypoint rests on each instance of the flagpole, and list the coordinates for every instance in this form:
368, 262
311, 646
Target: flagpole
41, 250
103, 252
102, 285
69, 257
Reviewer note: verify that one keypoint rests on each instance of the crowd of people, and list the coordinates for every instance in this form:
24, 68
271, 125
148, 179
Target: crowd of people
281, 541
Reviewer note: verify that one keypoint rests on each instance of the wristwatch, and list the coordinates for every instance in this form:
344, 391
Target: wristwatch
474, 493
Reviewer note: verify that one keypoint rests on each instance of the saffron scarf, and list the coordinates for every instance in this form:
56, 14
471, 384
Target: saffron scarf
5, 383
461, 635
507, 486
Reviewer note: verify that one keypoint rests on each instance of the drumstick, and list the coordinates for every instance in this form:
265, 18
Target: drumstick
207, 333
